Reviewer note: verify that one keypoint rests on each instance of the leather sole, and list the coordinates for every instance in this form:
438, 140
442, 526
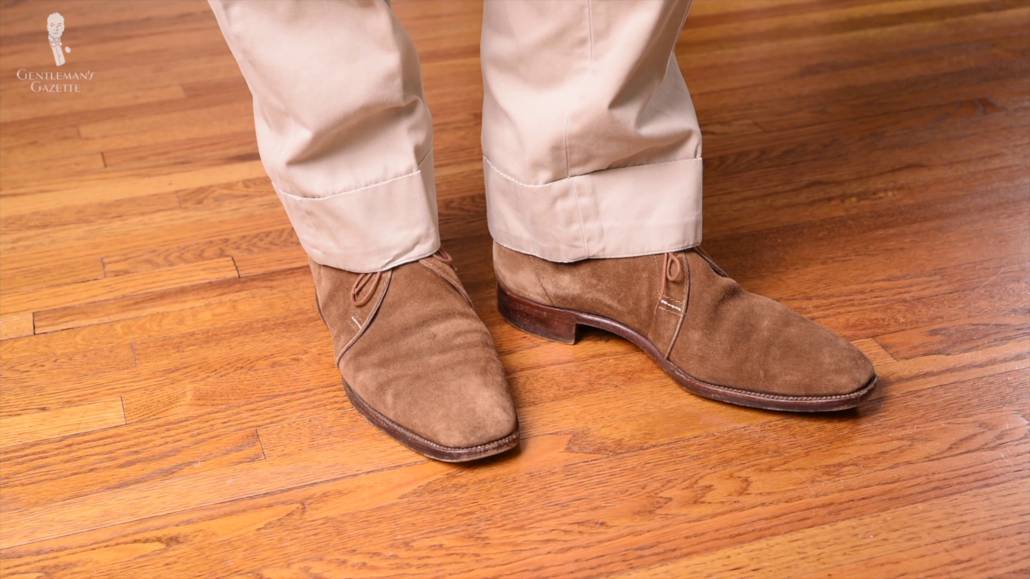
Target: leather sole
425, 446
560, 324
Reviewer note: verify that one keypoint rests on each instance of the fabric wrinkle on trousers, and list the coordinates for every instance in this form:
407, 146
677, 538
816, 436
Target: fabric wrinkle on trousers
591, 146
342, 128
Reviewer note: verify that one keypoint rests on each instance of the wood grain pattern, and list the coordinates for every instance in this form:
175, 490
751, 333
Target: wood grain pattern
169, 405
67, 421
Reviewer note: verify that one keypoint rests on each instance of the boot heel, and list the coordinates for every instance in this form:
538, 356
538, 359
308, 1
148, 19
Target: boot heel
544, 321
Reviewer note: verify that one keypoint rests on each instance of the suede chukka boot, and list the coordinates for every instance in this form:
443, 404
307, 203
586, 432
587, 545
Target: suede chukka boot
714, 338
416, 360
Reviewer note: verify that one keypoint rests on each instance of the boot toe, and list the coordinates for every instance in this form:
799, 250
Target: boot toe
427, 372
849, 370
467, 416
807, 360
763, 348
830, 367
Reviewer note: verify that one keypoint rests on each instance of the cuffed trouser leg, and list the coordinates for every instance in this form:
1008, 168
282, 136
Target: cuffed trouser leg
590, 141
342, 128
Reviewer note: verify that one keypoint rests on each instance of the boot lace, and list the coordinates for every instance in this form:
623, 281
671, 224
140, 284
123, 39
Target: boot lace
673, 269
365, 286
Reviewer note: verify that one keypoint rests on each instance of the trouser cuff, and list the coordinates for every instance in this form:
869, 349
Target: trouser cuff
371, 228
621, 212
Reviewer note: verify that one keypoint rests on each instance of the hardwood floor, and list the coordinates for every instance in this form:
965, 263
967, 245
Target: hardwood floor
169, 404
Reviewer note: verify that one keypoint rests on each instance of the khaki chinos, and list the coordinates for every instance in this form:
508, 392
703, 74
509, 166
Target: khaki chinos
591, 147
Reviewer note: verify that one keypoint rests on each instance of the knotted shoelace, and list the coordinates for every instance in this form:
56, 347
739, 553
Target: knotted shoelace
365, 286
673, 271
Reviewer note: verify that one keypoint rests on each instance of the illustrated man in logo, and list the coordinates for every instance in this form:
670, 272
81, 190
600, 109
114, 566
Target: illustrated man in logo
55, 28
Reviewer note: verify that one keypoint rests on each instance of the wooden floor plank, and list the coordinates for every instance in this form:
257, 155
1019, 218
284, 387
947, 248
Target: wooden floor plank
915, 530
16, 325
793, 484
169, 404
59, 296
26, 428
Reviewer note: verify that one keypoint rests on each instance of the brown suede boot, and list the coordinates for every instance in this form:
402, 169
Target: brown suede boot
416, 360
714, 338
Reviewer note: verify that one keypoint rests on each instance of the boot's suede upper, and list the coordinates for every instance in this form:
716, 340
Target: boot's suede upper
698, 318
410, 345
